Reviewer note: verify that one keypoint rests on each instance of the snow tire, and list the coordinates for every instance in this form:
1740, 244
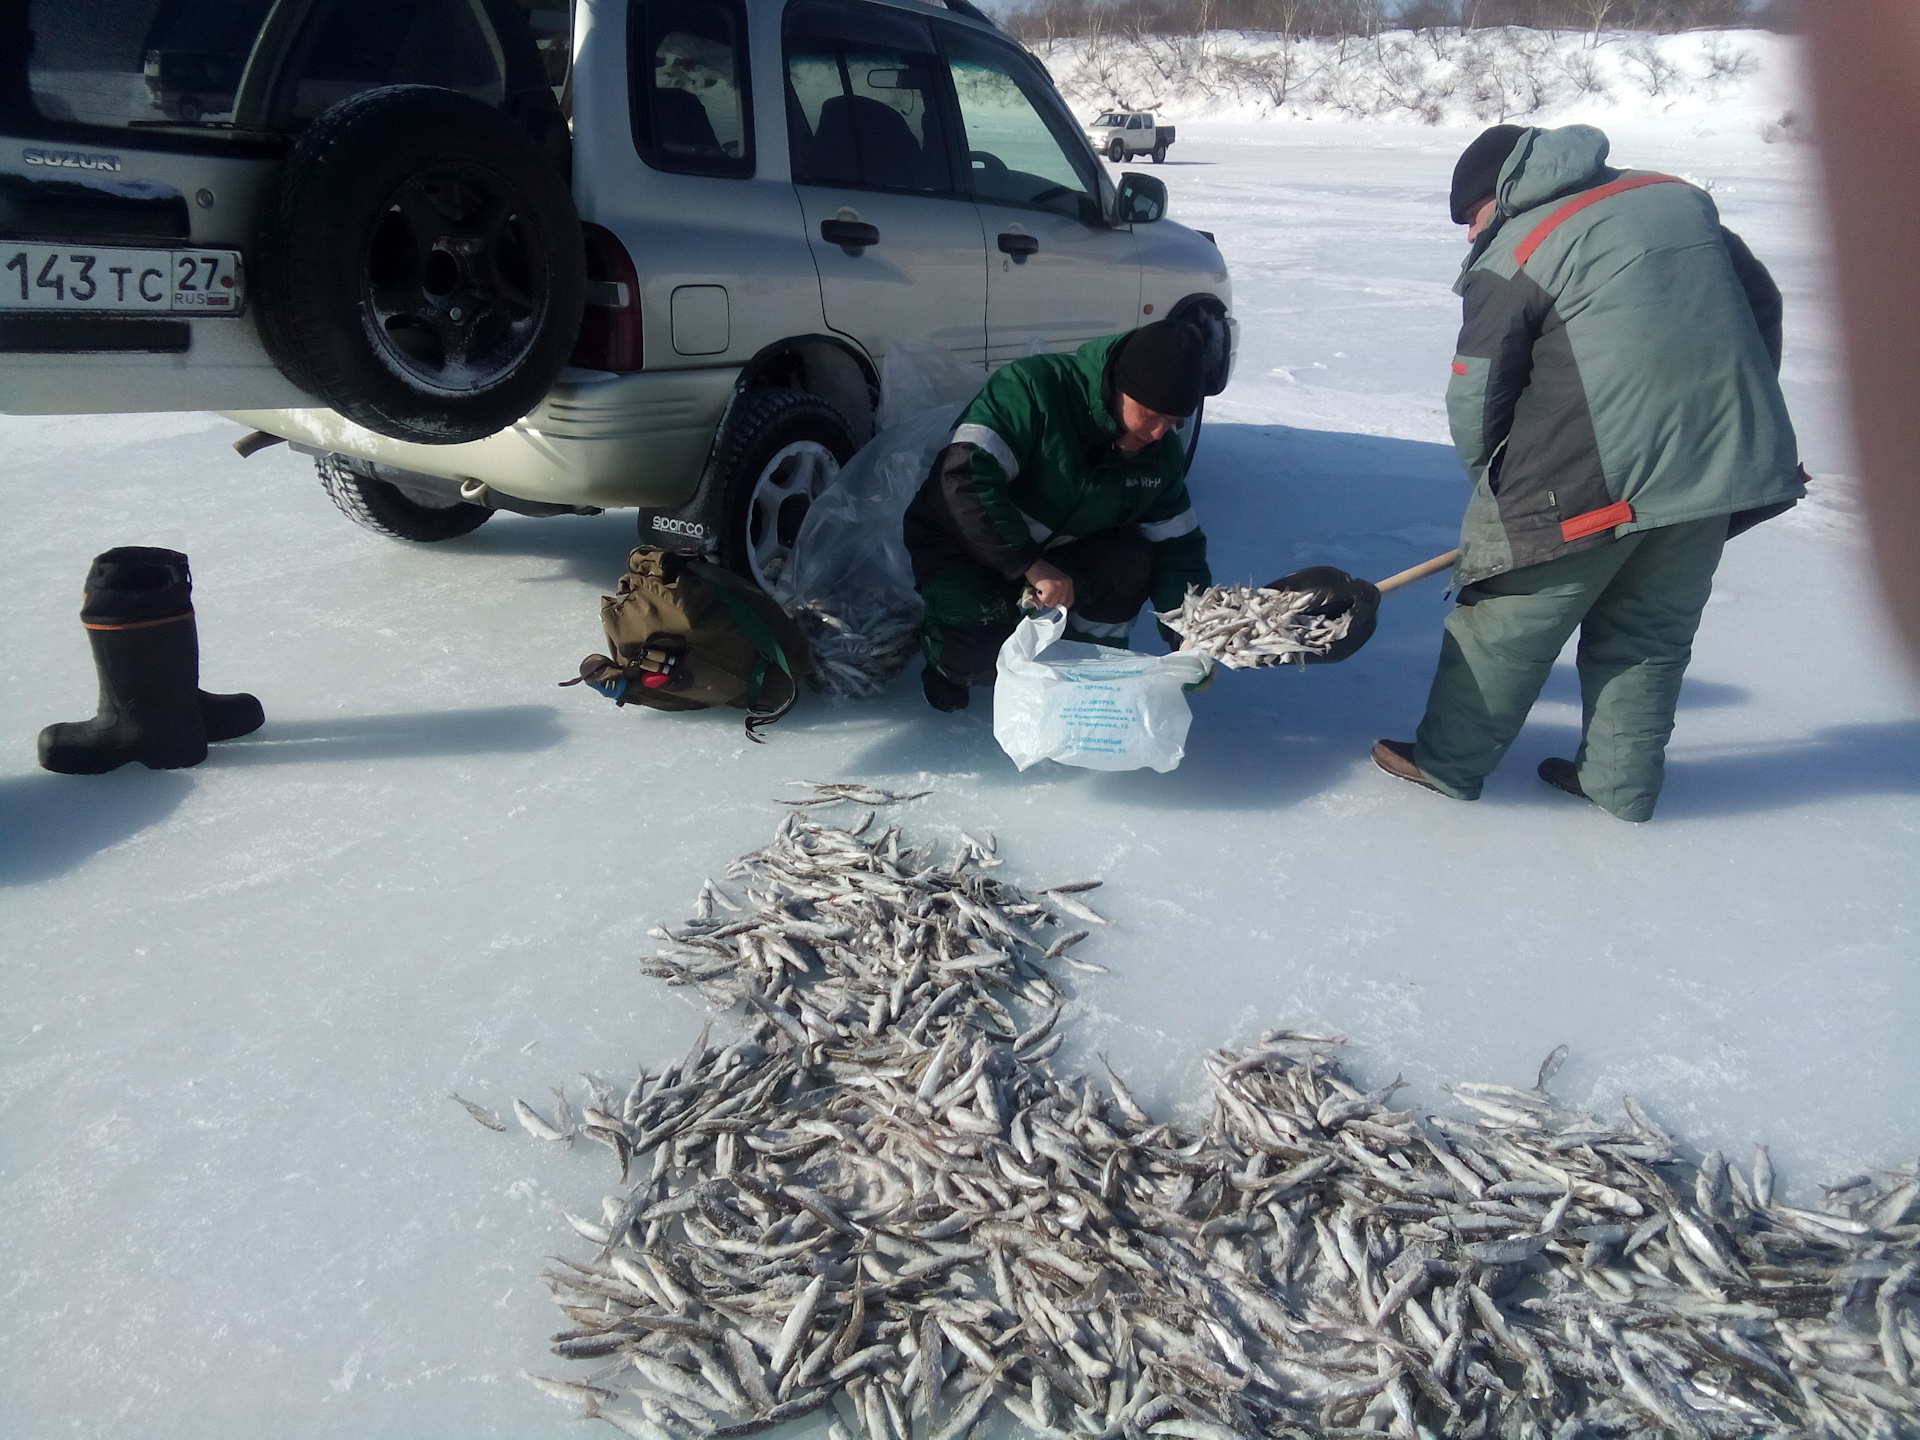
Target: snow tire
377, 506
1116, 152
420, 268
771, 467
1159, 154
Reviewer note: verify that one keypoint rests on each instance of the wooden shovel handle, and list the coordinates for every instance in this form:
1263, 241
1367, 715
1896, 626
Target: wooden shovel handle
1418, 572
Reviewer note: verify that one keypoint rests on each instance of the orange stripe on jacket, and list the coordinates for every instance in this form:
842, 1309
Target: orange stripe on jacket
1594, 521
1524, 251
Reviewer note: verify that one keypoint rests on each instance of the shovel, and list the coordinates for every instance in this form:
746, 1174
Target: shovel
1334, 592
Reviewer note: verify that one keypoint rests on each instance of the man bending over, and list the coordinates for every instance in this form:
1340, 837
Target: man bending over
1064, 474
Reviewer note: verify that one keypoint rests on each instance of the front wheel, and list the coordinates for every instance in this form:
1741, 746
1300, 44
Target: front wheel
1116, 152
377, 506
783, 449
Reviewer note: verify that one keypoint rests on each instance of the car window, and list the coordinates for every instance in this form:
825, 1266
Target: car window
1022, 146
687, 69
356, 45
145, 64
552, 27
863, 105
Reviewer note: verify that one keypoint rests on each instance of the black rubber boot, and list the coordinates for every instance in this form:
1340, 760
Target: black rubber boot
943, 692
138, 614
1562, 775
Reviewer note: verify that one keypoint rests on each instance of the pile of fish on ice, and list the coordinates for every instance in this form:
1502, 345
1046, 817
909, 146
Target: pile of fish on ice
1245, 628
880, 1198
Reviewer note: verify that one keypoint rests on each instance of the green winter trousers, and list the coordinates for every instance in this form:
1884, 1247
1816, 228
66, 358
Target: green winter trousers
1637, 604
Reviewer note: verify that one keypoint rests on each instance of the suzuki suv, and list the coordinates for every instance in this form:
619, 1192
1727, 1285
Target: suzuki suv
475, 256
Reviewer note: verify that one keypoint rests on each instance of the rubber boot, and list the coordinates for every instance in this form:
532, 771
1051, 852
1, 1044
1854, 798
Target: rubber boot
138, 614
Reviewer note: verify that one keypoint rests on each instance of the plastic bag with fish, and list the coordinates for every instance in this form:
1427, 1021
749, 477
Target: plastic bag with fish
1090, 705
849, 586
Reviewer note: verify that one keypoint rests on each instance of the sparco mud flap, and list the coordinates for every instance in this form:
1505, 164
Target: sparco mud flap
1090, 705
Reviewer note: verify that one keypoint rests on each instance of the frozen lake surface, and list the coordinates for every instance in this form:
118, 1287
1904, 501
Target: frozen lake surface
234, 1197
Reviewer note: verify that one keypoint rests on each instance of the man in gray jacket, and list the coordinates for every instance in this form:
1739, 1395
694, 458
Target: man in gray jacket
1615, 400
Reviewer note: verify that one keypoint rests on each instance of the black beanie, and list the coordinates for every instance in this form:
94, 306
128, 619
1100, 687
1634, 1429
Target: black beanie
1162, 366
1477, 175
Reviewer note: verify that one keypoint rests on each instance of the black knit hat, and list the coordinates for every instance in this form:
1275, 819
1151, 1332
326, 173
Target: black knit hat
1477, 174
1163, 367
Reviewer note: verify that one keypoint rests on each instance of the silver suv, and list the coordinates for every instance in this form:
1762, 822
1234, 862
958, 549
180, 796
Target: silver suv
475, 256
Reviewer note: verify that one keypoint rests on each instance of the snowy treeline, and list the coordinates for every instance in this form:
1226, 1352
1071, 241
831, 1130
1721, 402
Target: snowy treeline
1435, 76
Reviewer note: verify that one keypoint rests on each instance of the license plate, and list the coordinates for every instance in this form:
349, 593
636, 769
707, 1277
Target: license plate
101, 278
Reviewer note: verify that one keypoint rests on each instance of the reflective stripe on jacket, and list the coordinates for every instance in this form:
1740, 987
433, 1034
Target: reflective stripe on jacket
1033, 464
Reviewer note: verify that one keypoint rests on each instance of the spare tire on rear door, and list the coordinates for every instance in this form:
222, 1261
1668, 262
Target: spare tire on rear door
421, 268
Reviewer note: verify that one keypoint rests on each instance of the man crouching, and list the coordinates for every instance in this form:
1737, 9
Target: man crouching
1063, 474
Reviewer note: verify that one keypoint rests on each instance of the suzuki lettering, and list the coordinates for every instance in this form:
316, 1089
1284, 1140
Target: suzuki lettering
70, 159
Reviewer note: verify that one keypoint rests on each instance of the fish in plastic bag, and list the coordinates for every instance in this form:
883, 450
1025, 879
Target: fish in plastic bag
849, 586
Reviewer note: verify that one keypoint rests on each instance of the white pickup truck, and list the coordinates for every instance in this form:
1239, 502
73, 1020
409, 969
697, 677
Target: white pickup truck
1118, 134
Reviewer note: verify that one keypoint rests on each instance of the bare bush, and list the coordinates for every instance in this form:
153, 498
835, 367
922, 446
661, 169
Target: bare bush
1725, 66
1582, 71
1269, 75
1436, 76
1651, 70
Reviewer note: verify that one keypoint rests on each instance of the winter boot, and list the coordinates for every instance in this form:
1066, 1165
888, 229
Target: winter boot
1562, 775
138, 613
943, 692
1396, 758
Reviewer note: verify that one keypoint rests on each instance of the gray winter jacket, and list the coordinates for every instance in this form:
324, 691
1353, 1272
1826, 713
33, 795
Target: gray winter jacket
1617, 366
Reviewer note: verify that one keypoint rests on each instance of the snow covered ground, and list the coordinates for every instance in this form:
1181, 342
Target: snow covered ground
234, 1196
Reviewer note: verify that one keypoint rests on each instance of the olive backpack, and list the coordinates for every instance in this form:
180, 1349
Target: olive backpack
687, 635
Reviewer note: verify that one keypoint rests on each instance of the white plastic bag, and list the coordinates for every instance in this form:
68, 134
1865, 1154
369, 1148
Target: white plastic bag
1090, 705
849, 585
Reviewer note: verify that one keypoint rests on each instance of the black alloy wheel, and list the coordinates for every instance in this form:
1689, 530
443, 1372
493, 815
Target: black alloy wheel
448, 284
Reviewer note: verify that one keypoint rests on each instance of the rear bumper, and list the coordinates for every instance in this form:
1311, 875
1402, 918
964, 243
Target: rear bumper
613, 441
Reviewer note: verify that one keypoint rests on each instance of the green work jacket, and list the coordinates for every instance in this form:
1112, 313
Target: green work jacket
1033, 465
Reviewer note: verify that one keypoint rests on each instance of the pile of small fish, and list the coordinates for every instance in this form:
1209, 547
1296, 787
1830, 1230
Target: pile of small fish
879, 1198
858, 651
1244, 628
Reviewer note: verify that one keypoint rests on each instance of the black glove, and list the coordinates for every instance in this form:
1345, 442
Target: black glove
1333, 593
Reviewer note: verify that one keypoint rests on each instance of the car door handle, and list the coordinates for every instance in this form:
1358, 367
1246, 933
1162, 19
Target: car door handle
1014, 243
850, 233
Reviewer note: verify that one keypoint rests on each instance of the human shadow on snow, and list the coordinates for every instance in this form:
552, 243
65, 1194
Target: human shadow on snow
51, 823
1871, 758
503, 729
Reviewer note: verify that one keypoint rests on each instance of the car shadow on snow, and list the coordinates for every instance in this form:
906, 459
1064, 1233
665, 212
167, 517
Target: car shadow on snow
51, 823
503, 729
1272, 499
591, 549
1276, 498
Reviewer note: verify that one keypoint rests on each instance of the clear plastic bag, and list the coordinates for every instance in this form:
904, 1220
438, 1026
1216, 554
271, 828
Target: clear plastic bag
851, 590
1089, 705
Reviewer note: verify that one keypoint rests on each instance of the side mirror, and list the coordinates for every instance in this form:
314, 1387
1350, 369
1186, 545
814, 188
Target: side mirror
1142, 198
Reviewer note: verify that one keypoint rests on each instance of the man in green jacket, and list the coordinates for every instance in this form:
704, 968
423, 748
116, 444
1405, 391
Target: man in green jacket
1065, 475
1616, 403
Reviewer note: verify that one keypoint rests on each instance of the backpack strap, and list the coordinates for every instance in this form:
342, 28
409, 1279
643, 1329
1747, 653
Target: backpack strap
756, 630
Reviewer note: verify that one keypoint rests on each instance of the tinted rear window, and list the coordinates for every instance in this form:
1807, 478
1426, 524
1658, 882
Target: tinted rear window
139, 63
